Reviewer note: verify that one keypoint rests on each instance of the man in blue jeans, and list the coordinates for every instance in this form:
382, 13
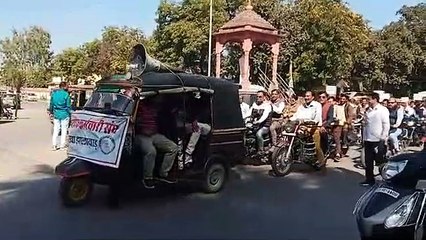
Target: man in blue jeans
60, 108
260, 112
396, 115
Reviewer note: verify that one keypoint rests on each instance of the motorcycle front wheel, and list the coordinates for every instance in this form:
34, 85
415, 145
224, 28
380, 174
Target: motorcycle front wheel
281, 165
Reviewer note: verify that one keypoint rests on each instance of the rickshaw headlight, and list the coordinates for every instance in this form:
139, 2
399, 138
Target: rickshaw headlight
400, 216
391, 169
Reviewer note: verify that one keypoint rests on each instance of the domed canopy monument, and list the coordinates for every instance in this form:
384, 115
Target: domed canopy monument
248, 28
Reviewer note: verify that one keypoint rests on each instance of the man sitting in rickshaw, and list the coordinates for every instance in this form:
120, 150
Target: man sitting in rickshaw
196, 123
150, 139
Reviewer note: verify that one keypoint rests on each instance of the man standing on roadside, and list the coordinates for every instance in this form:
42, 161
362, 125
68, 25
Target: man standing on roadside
376, 131
16, 103
60, 108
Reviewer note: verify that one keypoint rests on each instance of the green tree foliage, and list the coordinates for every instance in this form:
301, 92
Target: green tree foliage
395, 59
26, 58
320, 36
181, 37
105, 56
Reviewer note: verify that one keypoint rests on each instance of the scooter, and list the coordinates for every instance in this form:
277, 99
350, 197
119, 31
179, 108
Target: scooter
395, 208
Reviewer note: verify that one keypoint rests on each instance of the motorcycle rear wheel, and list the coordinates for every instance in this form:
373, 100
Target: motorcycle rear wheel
281, 166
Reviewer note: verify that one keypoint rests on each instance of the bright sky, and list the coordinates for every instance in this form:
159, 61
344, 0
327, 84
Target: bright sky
72, 23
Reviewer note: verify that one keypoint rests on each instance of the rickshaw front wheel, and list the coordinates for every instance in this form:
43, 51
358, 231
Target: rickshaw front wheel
75, 191
215, 178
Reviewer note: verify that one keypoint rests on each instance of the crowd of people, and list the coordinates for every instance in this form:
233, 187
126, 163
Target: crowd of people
335, 115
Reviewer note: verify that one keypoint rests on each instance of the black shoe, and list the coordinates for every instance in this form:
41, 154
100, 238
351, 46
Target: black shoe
166, 179
148, 183
367, 183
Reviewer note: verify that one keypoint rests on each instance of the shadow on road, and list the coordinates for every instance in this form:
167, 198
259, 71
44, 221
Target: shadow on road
3, 121
45, 169
252, 206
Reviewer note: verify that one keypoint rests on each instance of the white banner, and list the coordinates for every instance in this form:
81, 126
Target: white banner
97, 137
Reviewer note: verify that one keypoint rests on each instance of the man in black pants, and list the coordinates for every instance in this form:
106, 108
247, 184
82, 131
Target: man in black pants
376, 131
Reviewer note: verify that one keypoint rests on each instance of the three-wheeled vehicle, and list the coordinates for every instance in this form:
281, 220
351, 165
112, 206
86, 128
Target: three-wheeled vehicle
102, 137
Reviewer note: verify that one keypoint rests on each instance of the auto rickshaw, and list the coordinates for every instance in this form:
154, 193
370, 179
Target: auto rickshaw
102, 141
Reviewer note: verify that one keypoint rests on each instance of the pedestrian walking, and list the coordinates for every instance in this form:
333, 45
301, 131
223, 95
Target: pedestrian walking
376, 131
17, 103
60, 108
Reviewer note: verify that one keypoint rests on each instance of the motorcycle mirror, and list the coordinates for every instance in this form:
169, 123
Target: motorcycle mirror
421, 185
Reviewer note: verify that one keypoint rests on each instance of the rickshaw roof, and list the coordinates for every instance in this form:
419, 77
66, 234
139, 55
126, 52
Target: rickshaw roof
226, 106
160, 80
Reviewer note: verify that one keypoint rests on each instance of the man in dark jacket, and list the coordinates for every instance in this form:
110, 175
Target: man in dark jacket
327, 119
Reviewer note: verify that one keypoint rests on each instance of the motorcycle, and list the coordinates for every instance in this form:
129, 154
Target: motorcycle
7, 113
253, 155
410, 132
395, 208
298, 148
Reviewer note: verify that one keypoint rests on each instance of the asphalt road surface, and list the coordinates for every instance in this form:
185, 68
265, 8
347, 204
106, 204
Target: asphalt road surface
304, 205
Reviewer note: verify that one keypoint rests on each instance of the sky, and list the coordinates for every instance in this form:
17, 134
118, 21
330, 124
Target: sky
73, 22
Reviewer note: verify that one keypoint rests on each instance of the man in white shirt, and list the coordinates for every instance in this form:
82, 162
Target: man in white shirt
245, 108
312, 111
260, 113
376, 131
278, 106
408, 110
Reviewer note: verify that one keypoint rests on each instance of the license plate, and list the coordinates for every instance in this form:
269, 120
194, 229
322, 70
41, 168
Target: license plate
388, 191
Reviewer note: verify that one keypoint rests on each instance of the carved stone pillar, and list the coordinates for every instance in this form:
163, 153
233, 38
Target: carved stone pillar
219, 49
275, 51
245, 69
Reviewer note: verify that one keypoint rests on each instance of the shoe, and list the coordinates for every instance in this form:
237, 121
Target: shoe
55, 148
148, 183
367, 183
337, 158
166, 179
188, 159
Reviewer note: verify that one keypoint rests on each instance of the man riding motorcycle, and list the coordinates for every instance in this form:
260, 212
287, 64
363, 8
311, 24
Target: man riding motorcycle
278, 105
396, 115
327, 119
260, 112
312, 111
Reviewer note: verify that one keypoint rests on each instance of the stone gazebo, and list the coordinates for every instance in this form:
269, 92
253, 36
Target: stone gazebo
248, 28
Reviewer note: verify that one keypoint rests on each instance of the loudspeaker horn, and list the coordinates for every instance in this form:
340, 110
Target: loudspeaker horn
141, 62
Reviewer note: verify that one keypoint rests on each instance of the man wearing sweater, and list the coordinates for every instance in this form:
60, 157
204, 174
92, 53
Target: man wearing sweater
60, 108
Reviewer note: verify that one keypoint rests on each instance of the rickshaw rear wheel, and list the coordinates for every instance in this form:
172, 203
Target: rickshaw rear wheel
215, 178
75, 191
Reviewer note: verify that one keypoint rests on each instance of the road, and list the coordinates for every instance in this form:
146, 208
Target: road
304, 205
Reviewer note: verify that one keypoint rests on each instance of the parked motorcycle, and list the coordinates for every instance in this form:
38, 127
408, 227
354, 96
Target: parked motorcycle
395, 208
298, 147
7, 113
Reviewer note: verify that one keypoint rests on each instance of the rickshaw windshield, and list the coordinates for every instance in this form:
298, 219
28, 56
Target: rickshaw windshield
107, 100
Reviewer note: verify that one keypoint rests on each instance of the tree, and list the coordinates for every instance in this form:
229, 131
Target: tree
71, 64
105, 56
181, 36
26, 58
396, 61
114, 49
324, 37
